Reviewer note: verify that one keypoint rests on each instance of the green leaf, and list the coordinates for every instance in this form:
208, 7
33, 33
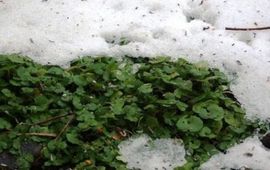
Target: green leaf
4, 124
76, 101
209, 110
178, 93
25, 161
79, 80
170, 118
146, 88
216, 126
73, 138
56, 145
187, 166
27, 90
56, 71
42, 102
117, 106
7, 93
194, 143
189, 123
159, 60
231, 119
181, 106
133, 113
17, 59
238, 129
86, 119
206, 132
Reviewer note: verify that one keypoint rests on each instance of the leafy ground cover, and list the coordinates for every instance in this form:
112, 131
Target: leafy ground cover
52, 117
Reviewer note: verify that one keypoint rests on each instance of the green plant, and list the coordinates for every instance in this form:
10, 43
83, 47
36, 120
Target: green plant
79, 115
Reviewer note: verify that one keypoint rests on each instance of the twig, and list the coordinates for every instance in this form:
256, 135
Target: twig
13, 117
150, 129
247, 29
51, 119
44, 134
65, 127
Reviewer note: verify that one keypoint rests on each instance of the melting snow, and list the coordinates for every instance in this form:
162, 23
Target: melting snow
250, 154
144, 153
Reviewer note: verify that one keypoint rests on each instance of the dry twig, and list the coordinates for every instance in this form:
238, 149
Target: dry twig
51, 119
43, 134
247, 29
65, 127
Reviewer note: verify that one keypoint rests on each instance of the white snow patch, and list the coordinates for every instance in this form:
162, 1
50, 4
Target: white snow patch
250, 154
146, 154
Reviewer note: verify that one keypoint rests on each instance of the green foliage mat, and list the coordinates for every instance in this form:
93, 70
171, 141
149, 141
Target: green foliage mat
52, 117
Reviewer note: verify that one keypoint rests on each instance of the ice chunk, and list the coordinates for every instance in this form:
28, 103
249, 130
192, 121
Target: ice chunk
147, 154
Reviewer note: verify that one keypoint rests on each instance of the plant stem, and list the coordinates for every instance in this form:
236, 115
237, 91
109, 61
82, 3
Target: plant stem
65, 127
44, 134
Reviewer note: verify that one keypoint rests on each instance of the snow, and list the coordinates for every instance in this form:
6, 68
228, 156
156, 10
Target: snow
142, 152
58, 31
250, 154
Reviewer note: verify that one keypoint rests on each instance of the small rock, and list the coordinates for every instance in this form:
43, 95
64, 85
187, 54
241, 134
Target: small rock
266, 140
32, 148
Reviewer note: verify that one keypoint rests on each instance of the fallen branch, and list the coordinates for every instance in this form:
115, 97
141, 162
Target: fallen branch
65, 127
51, 119
247, 29
43, 134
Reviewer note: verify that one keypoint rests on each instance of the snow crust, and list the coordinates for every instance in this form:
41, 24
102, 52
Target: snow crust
58, 31
250, 154
146, 154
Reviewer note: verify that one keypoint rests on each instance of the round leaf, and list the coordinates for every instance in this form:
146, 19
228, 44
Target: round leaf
146, 88
209, 110
206, 132
191, 123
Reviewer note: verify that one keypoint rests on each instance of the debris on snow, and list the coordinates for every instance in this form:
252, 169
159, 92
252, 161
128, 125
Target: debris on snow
250, 154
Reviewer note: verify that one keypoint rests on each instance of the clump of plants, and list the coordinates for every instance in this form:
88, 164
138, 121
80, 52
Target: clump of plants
52, 117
